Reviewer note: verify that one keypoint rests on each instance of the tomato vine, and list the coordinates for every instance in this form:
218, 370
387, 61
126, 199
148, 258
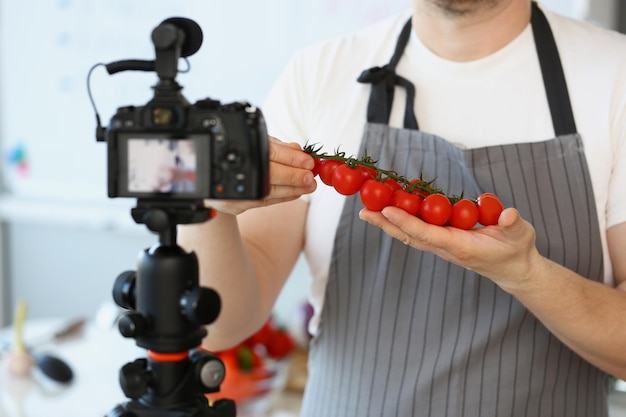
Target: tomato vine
379, 188
366, 161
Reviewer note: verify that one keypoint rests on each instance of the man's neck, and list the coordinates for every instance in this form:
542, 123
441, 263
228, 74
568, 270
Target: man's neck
472, 35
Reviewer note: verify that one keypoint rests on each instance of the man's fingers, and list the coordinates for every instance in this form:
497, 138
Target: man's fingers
290, 154
290, 176
376, 218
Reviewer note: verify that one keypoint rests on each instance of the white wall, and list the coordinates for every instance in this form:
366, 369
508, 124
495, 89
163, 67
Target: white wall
65, 240
59, 210
604, 12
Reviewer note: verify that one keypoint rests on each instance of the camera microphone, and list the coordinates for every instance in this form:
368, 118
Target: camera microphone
165, 34
192, 31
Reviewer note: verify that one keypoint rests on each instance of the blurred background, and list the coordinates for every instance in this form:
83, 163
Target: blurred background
62, 242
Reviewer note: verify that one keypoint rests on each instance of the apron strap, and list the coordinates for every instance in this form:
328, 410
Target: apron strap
384, 80
552, 71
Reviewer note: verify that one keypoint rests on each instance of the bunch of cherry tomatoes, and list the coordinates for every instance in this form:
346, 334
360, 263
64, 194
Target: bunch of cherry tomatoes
379, 188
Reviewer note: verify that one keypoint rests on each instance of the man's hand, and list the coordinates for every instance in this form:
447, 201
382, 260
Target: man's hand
506, 252
290, 177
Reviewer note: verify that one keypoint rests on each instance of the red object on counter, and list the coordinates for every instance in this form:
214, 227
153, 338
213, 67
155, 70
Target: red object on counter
253, 366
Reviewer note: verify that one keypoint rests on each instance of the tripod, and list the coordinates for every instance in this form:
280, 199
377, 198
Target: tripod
167, 311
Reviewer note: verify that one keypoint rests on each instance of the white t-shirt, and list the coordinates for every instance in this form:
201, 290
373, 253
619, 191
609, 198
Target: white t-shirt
499, 99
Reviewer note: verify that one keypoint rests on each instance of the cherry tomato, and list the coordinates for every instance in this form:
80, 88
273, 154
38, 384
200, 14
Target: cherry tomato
347, 180
375, 195
261, 336
280, 345
316, 167
422, 186
409, 202
327, 166
464, 214
230, 358
489, 209
395, 185
368, 173
436, 209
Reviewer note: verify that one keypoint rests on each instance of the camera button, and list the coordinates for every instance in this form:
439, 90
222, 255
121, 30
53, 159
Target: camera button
232, 158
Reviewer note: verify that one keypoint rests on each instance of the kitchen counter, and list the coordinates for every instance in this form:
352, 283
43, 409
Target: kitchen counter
96, 356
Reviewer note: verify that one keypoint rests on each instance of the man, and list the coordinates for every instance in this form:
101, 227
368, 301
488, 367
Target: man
521, 318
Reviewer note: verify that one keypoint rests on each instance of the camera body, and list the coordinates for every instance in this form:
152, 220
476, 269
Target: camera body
169, 149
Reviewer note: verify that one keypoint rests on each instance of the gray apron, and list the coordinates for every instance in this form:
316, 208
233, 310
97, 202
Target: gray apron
405, 333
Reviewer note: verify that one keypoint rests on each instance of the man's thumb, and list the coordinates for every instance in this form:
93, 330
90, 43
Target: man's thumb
510, 221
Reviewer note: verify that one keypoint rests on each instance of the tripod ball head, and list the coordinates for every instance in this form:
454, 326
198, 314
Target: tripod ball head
201, 305
167, 309
132, 325
124, 290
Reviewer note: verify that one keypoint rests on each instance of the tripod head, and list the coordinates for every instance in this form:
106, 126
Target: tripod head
168, 308
166, 314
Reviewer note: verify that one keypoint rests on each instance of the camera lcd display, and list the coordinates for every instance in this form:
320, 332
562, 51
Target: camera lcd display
162, 166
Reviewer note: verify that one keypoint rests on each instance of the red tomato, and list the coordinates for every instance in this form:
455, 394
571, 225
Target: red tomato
281, 345
422, 184
464, 214
316, 167
230, 358
347, 180
368, 173
395, 185
489, 209
409, 202
327, 166
375, 195
261, 336
436, 209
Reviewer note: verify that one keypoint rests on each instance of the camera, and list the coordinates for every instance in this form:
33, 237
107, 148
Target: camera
171, 155
178, 151
170, 149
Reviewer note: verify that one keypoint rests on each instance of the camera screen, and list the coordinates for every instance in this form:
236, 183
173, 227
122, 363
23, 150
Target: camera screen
161, 166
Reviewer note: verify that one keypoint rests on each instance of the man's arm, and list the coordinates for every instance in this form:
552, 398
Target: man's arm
247, 251
588, 316
616, 237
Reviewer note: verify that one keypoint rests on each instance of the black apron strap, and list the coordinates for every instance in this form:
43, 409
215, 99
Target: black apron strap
552, 71
384, 80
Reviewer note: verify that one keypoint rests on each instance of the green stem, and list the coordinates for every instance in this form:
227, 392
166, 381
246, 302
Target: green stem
426, 187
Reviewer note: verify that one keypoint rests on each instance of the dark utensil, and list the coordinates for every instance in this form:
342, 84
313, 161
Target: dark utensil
66, 332
54, 367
